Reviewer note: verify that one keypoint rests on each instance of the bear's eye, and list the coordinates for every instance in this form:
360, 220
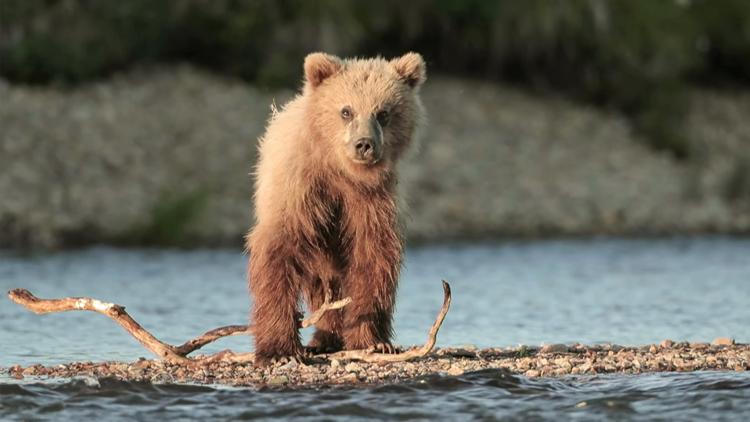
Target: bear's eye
346, 113
382, 117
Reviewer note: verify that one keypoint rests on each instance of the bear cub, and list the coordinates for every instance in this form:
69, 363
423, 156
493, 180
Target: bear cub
326, 217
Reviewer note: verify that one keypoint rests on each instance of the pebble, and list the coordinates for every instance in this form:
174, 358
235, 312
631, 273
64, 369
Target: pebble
723, 341
348, 378
292, 364
532, 373
580, 360
698, 346
469, 348
352, 367
455, 371
278, 380
666, 344
463, 352
162, 378
554, 348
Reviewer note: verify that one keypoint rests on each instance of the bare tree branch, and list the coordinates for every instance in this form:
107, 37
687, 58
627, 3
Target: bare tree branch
210, 336
45, 306
325, 307
370, 356
237, 330
177, 354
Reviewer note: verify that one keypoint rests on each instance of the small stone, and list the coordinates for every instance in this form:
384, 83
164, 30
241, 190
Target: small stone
352, 367
723, 341
349, 378
162, 378
335, 363
563, 363
532, 373
278, 380
141, 363
561, 371
292, 364
470, 348
554, 348
652, 349
455, 371
587, 366
666, 344
462, 352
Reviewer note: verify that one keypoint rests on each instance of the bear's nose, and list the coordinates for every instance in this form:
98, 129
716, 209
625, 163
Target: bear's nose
364, 148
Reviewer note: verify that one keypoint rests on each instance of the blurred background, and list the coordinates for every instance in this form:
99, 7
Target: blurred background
135, 122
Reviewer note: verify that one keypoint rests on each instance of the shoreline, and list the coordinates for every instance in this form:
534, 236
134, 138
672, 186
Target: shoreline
554, 360
484, 167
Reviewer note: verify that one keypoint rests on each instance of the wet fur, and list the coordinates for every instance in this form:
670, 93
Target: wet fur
324, 220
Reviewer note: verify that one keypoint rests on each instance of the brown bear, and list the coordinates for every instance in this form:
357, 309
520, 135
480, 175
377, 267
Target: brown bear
325, 205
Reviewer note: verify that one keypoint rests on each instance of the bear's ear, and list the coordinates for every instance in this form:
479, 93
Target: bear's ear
319, 67
411, 68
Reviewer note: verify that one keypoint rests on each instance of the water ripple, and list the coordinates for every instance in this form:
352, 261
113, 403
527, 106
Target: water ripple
633, 291
483, 394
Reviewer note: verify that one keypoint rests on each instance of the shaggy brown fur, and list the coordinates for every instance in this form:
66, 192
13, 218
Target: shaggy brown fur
326, 210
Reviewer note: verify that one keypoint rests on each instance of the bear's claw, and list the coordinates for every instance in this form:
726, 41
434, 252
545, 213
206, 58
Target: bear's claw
281, 360
386, 347
263, 360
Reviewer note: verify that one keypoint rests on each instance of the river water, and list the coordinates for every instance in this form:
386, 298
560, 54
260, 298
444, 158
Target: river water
624, 291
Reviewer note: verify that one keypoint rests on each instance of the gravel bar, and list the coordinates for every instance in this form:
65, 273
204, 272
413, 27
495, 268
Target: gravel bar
552, 360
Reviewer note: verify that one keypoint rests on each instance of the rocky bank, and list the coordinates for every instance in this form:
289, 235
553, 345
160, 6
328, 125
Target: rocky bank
547, 361
164, 156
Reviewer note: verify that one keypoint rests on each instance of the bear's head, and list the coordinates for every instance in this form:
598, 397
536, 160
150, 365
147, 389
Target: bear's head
365, 110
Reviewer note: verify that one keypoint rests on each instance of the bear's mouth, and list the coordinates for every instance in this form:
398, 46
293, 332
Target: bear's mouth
370, 162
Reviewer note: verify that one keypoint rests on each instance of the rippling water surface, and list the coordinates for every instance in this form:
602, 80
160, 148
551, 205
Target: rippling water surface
621, 291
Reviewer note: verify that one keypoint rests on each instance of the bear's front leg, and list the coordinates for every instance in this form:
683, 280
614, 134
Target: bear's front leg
275, 289
371, 283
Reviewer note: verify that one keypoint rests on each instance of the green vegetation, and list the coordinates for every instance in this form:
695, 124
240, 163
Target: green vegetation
636, 56
169, 221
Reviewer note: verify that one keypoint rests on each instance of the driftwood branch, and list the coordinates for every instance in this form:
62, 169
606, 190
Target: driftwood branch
210, 336
178, 354
238, 330
317, 315
370, 356
361, 355
46, 306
